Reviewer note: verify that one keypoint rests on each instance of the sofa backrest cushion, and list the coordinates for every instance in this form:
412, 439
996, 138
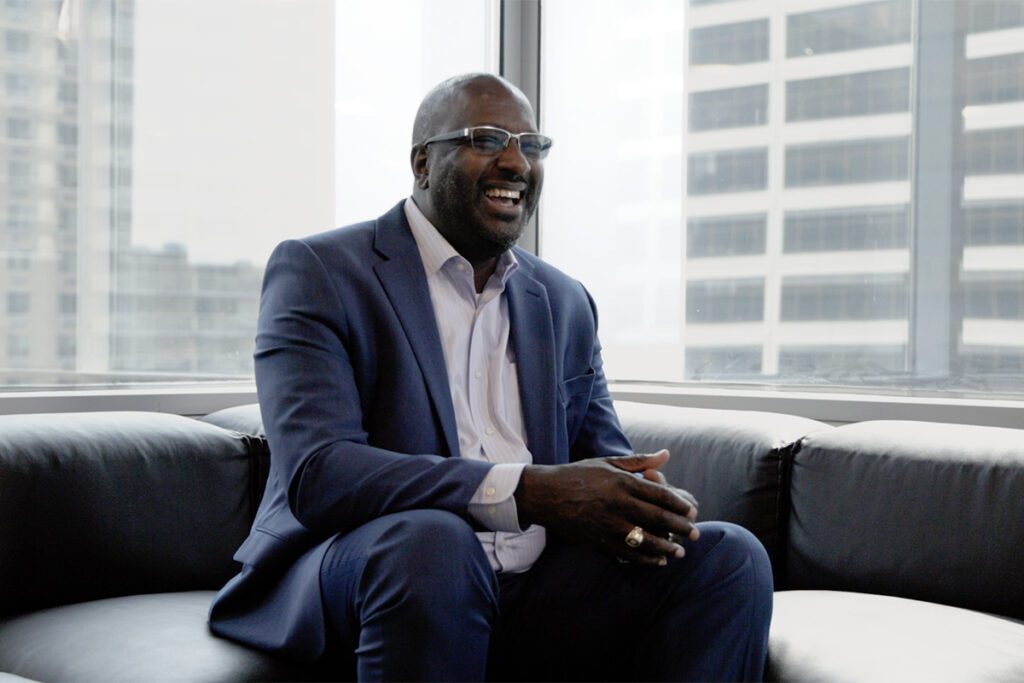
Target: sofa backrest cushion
95, 505
734, 462
920, 510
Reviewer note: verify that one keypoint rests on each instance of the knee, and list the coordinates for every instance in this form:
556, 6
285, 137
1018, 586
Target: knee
738, 550
430, 555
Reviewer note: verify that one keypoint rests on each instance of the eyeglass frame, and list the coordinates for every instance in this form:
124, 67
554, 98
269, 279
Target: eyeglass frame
467, 134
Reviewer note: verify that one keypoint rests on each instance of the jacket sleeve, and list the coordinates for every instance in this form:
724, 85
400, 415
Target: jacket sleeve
312, 411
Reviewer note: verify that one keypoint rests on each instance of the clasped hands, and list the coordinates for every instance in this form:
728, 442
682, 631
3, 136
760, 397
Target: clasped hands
601, 500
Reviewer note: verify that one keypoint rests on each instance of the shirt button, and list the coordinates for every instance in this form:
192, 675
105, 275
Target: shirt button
489, 431
460, 266
489, 491
477, 374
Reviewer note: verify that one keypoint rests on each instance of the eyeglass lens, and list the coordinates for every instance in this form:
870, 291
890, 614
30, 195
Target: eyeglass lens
494, 140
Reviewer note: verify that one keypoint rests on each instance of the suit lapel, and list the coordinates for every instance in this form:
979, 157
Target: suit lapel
533, 341
402, 277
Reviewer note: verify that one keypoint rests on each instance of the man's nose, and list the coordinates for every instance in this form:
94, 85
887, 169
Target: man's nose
512, 158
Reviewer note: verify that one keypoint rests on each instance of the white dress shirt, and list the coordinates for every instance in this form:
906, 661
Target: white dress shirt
485, 390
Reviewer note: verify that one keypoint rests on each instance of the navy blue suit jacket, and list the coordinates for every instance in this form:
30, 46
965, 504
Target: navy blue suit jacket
357, 409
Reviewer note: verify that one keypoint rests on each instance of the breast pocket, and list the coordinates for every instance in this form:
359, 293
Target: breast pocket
574, 395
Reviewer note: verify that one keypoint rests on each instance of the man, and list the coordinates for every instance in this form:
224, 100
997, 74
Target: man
450, 494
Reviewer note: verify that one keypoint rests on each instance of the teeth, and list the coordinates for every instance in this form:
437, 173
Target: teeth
505, 194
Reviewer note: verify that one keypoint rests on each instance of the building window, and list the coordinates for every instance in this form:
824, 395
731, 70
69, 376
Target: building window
742, 43
855, 27
67, 92
20, 218
1005, 361
66, 346
998, 296
17, 84
725, 301
995, 79
18, 302
994, 15
853, 364
67, 134
996, 151
726, 235
839, 163
722, 362
994, 223
847, 229
18, 346
19, 261
860, 94
740, 170
67, 304
731, 108
67, 176
17, 42
844, 297
19, 174
19, 128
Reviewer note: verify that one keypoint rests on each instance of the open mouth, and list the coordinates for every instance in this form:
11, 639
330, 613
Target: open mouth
503, 197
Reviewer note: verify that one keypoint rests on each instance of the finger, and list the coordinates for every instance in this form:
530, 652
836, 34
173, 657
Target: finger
656, 477
652, 550
662, 522
639, 462
667, 497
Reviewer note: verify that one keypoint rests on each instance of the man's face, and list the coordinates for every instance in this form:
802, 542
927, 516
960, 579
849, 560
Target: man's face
464, 184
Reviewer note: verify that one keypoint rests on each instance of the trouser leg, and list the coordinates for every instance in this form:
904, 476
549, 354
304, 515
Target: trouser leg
413, 595
580, 615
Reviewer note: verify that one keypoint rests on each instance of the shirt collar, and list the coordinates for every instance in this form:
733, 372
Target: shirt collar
436, 251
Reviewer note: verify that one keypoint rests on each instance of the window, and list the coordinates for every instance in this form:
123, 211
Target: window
723, 362
18, 302
994, 295
846, 229
725, 235
17, 42
17, 85
720, 301
843, 297
856, 27
731, 108
994, 223
740, 170
861, 94
730, 44
838, 163
996, 151
995, 79
994, 15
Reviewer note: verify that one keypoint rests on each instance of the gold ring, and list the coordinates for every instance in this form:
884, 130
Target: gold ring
635, 537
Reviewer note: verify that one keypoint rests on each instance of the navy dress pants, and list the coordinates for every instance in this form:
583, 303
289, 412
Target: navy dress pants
413, 597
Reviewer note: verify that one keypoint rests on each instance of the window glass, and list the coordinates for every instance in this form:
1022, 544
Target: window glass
848, 215
153, 152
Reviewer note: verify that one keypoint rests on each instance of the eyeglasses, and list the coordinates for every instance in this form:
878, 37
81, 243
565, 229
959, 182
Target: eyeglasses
490, 141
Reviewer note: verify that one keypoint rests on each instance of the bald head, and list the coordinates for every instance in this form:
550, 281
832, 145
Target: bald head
446, 98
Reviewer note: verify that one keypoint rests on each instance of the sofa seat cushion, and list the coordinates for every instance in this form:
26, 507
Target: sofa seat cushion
840, 636
157, 637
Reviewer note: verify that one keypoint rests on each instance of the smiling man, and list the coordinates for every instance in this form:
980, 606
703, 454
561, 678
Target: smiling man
450, 494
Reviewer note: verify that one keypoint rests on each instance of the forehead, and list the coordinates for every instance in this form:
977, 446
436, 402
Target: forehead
480, 104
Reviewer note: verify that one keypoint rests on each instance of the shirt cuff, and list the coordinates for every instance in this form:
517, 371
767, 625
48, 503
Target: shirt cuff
494, 505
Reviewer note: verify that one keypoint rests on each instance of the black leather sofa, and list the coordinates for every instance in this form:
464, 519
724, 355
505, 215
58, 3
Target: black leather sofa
898, 547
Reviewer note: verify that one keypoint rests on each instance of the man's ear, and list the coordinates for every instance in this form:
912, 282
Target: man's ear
418, 161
